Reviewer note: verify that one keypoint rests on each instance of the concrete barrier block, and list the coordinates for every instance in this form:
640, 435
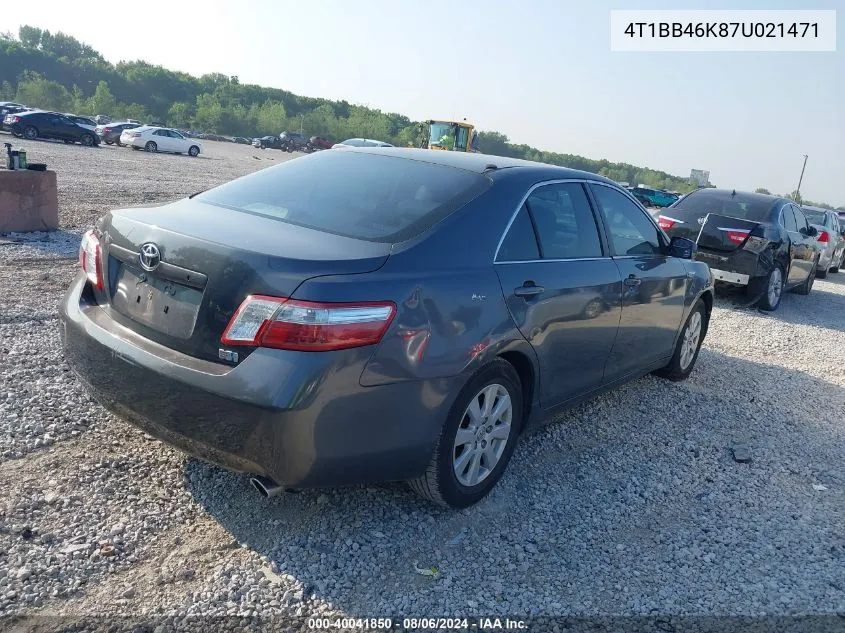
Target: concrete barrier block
29, 201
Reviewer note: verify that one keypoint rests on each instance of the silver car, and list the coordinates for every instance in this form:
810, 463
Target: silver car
831, 239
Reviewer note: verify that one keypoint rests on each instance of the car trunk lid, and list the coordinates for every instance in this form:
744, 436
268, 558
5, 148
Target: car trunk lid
176, 273
710, 231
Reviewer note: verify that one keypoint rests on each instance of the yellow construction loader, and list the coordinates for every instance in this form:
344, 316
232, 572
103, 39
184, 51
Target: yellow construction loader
454, 136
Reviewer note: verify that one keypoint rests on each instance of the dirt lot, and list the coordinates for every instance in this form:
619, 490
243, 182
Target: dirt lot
633, 504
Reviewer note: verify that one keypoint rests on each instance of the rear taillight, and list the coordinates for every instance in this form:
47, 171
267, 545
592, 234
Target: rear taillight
737, 236
16, 119
91, 258
106, 130
307, 326
666, 223
824, 237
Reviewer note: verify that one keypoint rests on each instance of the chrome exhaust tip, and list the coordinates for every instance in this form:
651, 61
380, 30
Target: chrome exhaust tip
266, 487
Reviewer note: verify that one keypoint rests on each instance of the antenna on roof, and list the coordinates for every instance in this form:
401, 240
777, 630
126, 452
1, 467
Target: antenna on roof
490, 167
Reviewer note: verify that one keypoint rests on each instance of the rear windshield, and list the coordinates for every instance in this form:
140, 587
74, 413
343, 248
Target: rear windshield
364, 196
723, 203
815, 217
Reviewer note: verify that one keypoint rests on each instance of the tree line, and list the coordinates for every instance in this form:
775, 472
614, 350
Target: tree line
55, 71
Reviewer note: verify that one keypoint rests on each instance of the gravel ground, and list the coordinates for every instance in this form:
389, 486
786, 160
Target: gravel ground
634, 504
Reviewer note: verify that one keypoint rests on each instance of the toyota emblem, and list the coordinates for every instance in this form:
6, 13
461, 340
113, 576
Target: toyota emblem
149, 256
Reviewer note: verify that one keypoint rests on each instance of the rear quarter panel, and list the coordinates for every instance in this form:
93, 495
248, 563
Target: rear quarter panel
451, 315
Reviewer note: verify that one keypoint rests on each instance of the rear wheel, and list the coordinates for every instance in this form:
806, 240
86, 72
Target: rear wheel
30, 133
151, 146
193, 150
688, 345
807, 286
477, 440
770, 289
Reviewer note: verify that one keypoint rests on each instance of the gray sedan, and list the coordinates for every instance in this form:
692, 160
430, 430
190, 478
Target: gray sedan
831, 239
368, 315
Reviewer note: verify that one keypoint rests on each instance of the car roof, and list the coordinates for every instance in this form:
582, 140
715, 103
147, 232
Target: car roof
479, 163
742, 195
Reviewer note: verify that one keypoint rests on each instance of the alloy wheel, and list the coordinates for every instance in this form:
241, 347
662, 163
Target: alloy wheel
482, 435
775, 287
692, 335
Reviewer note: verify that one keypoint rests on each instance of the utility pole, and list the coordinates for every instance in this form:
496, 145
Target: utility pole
798, 191
302, 123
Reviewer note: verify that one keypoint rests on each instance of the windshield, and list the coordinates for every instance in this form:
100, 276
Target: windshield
364, 196
442, 135
744, 207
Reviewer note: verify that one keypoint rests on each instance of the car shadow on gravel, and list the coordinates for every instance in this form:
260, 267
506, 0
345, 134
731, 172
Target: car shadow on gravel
634, 503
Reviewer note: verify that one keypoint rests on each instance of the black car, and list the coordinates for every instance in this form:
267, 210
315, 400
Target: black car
110, 133
368, 315
33, 125
273, 142
762, 242
293, 142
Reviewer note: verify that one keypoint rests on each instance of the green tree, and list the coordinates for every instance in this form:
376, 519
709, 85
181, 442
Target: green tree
103, 101
795, 196
271, 118
43, 93
763, 190
209, 113
180, 115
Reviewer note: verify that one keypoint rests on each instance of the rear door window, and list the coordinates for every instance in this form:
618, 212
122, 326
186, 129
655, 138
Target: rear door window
564, 222
364, 196
787, 219
520, 243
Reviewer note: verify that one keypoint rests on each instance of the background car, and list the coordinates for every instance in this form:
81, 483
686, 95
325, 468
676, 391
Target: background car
361, 142
653, 197
273, 142
319, 142
7, 107
378, 315
830, 239
293, 142
160, 139
761, 242
110, 133
240, 140
50, 125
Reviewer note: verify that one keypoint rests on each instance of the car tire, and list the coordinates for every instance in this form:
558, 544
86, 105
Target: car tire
807, 286
87, 140
193, 151
151, 146
688, 346
770, 289
108, 142
440, 483
30, 133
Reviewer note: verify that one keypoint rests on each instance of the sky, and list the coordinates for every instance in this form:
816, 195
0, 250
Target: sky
539, 71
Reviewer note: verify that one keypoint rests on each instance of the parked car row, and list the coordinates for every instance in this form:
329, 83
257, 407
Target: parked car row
763, 243
35, 124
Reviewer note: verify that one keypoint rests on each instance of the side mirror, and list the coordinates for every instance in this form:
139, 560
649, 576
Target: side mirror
681, 248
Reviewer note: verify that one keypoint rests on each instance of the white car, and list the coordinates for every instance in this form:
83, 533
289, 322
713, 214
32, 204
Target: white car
160, 139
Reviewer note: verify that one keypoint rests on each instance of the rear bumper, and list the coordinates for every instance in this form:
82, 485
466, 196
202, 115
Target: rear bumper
736, 267
730, 277
301, 419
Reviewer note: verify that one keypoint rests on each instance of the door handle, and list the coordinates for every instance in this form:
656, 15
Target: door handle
632, 281
528, 289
